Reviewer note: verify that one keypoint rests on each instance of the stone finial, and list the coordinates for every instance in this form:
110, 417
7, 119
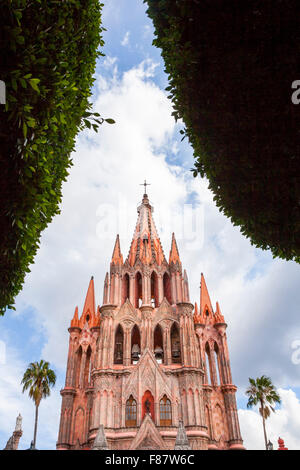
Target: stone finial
19, 423
182, 442
100, 442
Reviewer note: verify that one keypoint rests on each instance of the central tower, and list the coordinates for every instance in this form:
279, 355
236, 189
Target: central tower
148, 365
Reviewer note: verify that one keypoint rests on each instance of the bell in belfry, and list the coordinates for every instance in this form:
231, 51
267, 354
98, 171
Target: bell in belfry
158, 352
176, 350
135, 352
119, 354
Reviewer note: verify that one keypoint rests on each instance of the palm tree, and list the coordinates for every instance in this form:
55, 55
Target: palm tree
38, 378
262, 392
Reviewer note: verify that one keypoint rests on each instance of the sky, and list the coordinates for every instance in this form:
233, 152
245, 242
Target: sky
259, 296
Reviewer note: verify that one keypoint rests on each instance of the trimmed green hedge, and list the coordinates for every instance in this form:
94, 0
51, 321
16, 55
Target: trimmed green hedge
231, 66
48, 52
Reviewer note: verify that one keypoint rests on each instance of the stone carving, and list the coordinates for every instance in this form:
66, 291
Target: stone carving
182, 442
100, 442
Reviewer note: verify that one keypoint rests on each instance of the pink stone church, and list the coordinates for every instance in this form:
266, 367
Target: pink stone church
148, 369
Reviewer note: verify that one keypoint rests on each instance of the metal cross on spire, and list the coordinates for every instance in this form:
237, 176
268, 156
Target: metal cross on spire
145, 184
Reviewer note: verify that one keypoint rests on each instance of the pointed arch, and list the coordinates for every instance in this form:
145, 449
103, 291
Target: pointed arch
208, 368
154, 289
167, 288
78, 366
119, 345
175, 344
88, 367
158, 344
217, 362
148, 405
165, 411
138, 288
125, 288
130, 412
135, 344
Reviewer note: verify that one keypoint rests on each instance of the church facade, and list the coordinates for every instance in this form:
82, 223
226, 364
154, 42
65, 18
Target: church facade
148, 369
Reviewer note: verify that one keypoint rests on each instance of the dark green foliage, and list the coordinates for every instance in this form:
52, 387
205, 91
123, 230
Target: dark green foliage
48, 51
231, 65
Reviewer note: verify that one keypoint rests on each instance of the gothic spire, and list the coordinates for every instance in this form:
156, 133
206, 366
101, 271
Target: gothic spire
117, 257
89, 304
205, 302
174, 253
219, 318
145, 245
75, 319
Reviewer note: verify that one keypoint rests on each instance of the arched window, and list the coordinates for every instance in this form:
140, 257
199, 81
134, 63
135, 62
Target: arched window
208, 365
138, 290
130, 412
165, 411
88, 367
167, 288
119, 341
158, 344
125, 288
135, 345
78, 366
217, 362
154, 289
175, 344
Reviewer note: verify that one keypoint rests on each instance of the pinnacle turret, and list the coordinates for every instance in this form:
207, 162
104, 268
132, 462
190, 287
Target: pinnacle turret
205, 303
117, 257
174, 253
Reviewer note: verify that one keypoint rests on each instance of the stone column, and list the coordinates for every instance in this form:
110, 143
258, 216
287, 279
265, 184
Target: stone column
82, 369
235, 438
127, 346
131, 290
190, 407
169, 348
147, 326
173, 288
178, 287
71, 365
160, 289
196, 407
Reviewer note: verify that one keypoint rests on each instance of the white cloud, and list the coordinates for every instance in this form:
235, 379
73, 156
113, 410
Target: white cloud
284, 423
125, 40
